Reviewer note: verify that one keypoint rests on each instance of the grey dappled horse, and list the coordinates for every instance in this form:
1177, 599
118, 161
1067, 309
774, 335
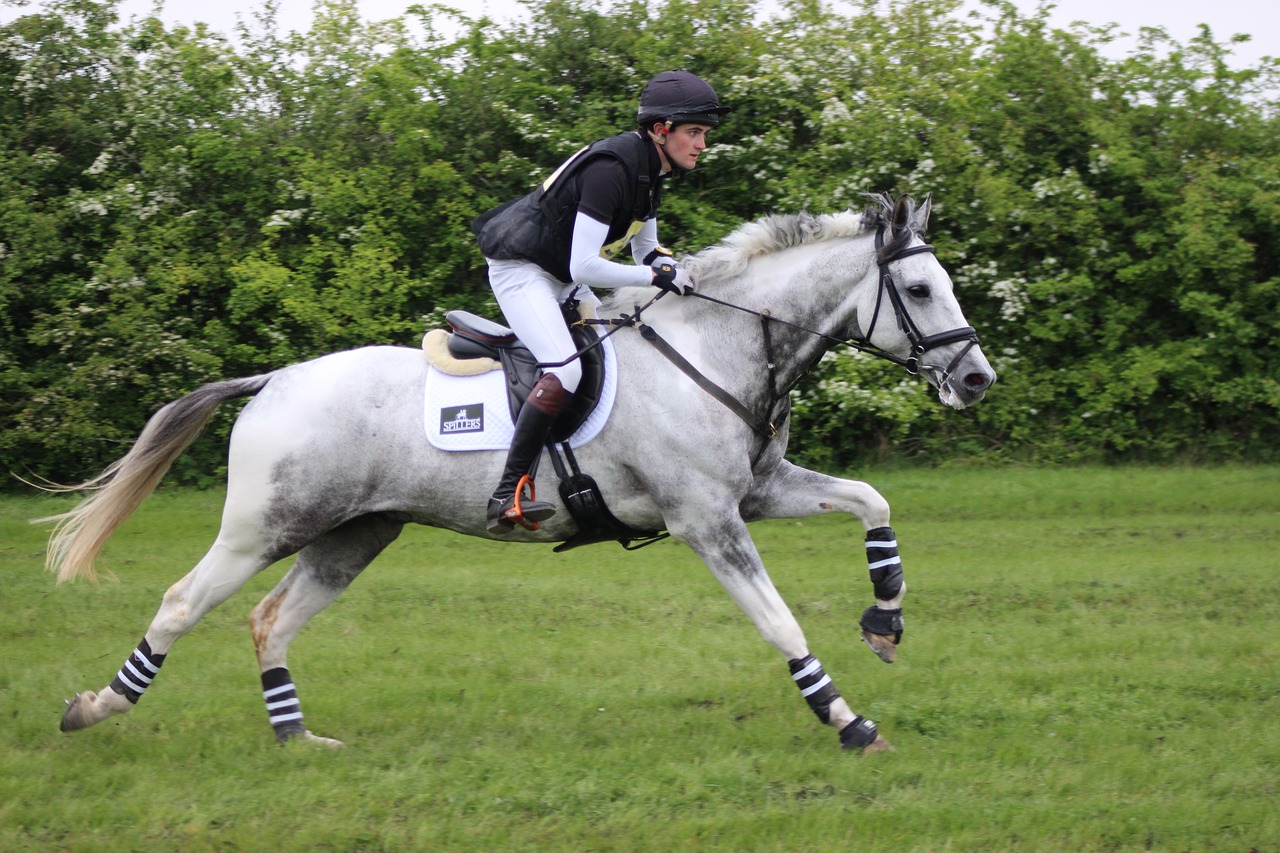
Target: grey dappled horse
328, 460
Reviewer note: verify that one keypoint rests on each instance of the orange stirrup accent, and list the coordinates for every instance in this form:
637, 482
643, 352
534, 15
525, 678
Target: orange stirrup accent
516, 513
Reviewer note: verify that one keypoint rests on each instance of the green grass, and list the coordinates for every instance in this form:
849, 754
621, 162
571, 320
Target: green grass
1091, 663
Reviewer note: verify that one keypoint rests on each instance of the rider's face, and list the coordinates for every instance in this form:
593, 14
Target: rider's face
684, 144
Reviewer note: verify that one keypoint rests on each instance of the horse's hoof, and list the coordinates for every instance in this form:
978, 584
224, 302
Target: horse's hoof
76, 716
327, 742
882, 644
306, 736
877, 745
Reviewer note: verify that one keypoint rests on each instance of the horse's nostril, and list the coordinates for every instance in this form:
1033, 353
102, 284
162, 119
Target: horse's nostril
977, 380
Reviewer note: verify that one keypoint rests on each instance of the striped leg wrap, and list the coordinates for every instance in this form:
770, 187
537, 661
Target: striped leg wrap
815, 685
135, 676
884, 562
283, 708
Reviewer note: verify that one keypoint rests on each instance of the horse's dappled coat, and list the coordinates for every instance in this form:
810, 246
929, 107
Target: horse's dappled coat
329, 460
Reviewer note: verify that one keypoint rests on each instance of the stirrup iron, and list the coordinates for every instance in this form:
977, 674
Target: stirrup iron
515, 514
525, 510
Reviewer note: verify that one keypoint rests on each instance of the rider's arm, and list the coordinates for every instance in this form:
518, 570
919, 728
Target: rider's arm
602, 191
586, 266
645, 241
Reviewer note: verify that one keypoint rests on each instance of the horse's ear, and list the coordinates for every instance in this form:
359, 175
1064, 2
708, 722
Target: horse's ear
922, 213
901, 214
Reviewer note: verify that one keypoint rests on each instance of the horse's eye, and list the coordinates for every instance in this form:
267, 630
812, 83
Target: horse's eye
919, 291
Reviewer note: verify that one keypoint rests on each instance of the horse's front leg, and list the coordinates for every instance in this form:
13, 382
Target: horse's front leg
794, 492
726, 547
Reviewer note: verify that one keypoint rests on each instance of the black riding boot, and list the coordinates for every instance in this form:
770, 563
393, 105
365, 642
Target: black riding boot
541, 409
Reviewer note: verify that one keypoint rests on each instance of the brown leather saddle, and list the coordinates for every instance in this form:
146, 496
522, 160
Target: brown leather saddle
473, 336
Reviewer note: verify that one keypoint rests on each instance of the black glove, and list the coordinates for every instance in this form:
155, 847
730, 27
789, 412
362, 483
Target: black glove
670, 278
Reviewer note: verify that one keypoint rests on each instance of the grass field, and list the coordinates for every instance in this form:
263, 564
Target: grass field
1092, 662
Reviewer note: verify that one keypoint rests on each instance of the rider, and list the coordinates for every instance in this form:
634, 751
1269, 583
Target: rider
556, 243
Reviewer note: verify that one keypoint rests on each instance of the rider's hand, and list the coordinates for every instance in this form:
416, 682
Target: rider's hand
670, 278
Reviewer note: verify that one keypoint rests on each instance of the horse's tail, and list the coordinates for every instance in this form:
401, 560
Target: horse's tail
81, 533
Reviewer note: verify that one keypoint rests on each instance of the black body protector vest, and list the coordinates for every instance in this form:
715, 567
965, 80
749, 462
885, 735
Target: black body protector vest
538, 227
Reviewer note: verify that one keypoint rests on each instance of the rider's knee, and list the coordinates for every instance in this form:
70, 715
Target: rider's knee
570, 375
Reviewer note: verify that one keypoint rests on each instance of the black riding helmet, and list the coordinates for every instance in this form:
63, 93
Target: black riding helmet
679, 97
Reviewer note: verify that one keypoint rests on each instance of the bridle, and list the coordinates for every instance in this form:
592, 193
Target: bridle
765, 426
920, 344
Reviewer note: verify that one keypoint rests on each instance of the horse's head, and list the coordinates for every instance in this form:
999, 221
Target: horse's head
812, 279
913, 315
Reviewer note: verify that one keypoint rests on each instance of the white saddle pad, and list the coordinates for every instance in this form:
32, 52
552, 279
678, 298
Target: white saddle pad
471, 412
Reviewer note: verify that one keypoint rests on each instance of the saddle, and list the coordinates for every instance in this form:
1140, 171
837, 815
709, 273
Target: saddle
474, 337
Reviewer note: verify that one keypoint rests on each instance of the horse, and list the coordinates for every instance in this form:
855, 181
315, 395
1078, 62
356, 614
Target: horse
328, 461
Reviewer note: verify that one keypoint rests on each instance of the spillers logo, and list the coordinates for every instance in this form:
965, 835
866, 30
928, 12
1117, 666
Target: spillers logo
455, 419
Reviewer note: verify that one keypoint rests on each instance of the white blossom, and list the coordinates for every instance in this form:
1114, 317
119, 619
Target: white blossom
100, 164
285, 218
1013, 295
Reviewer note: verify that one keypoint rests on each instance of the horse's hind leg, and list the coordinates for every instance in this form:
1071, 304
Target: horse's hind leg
323, 570
794, 492
222, 571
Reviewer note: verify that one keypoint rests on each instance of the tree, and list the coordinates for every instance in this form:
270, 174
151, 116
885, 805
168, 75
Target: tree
176, 206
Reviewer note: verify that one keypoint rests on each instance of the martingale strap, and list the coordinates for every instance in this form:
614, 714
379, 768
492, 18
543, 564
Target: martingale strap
762, 427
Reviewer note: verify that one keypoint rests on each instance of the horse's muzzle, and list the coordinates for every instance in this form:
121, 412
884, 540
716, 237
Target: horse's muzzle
971, 388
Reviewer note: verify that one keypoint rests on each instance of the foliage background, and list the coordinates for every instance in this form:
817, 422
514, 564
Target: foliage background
179, 205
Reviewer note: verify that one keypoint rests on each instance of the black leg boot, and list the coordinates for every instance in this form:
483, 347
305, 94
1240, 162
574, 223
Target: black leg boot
541, 409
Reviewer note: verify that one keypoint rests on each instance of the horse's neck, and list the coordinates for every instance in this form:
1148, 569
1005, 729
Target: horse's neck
789, 302
811, 289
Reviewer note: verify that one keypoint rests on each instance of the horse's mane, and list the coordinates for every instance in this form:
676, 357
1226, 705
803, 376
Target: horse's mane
728, 258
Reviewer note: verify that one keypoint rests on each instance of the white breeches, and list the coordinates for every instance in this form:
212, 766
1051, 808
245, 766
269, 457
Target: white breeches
530, 299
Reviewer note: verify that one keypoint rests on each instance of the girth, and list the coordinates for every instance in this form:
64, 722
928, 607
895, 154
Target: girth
475, 337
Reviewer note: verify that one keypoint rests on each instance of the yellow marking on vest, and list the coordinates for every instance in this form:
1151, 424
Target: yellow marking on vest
609, 250
546, 185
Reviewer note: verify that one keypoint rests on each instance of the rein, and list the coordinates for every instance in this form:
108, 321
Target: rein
763, 426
